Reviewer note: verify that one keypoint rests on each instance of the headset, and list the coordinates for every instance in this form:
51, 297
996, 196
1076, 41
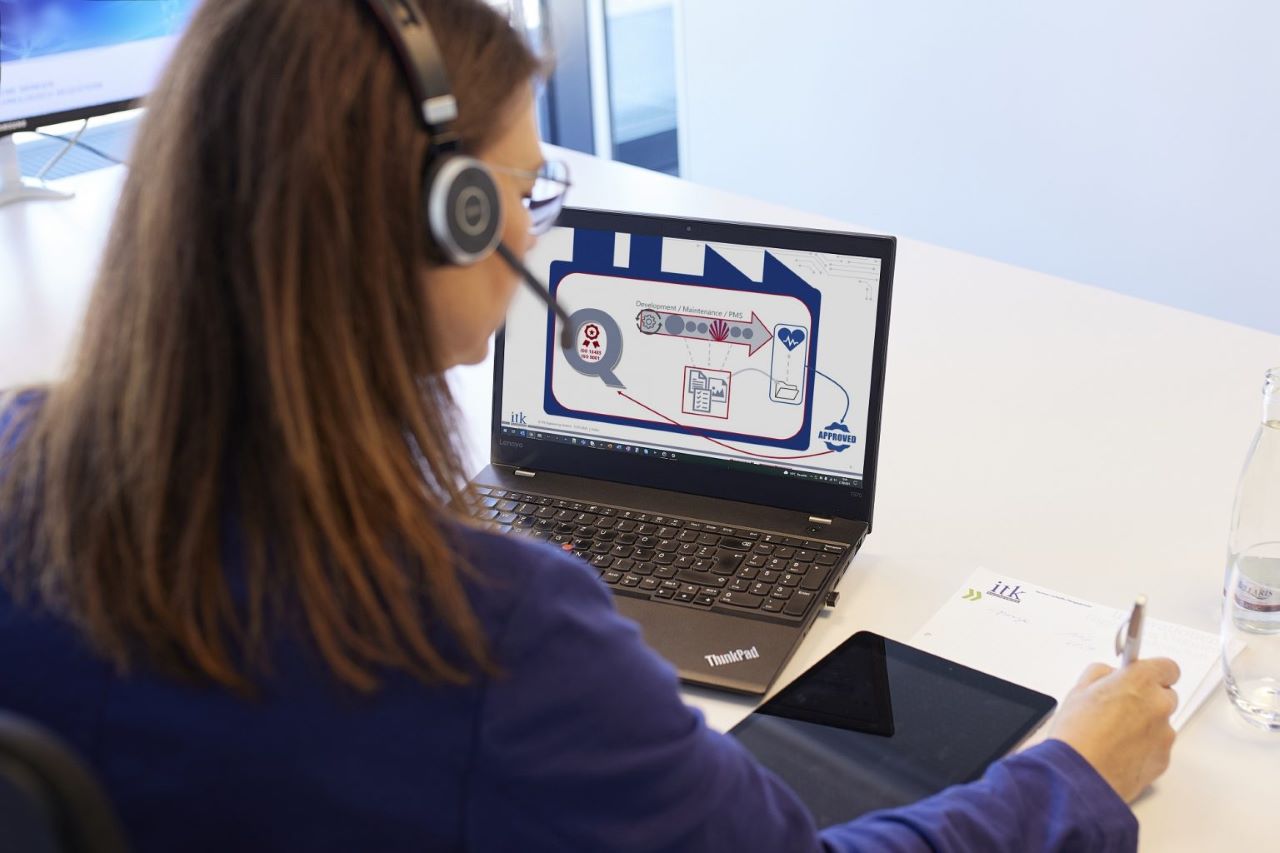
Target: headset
460, 198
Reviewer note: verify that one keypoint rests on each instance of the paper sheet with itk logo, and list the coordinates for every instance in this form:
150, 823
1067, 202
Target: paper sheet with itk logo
1043, 639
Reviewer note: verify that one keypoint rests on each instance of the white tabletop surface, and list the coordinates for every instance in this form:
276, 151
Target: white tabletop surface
1057, 432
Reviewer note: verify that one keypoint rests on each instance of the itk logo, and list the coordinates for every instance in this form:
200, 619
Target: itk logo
1009, 593
517, 418
732, 657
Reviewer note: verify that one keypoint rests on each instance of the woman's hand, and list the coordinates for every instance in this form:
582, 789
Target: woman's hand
1118, 719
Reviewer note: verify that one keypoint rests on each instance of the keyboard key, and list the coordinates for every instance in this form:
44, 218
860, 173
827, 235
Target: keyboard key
647, 529
664, 593
667, 532
687, 576
791, 541
484, 490
749, 572
624, 565
789, 579
708, 539
611, 576
833, 549
643, 569
664, 559
691, 588
826, 559
649, 584
781, 593
706, 599
741, 599
805, 556
625, 526
736, 544
756, 561
798, 603
726, 563
630, 580
759, 588
683, 596
769, 575
602, 561
784, 553
772, 605
664, 572
740, 585
815, 578
763, 548
545, 512
506, 518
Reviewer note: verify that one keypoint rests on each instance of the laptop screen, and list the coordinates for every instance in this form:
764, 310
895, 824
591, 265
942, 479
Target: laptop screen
730, 348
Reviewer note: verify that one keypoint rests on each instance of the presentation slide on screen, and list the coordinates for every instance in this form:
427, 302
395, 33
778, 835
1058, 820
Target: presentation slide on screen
740, 352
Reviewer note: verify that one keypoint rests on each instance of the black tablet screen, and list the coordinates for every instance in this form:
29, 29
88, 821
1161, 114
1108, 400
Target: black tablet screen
877, 724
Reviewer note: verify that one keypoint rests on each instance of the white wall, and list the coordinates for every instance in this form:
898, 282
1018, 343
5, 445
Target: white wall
1133, 145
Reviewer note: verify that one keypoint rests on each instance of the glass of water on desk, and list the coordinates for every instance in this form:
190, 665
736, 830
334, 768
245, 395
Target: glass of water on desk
1251, 634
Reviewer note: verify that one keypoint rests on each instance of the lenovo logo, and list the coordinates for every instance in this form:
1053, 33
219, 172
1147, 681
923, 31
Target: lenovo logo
732, 657
7, 126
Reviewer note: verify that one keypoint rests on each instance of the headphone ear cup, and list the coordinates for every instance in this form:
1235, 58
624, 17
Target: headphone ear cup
464, 210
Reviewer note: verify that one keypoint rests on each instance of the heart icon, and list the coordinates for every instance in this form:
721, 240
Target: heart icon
791, 338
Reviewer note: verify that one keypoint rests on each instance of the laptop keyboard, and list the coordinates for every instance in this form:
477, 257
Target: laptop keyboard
681, 561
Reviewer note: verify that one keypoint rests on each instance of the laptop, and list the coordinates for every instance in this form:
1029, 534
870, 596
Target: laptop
708, 440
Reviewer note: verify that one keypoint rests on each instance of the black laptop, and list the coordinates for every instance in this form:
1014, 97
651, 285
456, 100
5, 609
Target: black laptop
708, 442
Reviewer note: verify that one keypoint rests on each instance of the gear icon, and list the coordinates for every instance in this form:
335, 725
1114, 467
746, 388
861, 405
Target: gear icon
648, 321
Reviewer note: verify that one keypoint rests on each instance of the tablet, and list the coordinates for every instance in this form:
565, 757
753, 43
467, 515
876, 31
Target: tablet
878, 724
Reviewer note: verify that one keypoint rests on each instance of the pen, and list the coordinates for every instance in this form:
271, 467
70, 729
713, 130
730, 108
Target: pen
1133, 634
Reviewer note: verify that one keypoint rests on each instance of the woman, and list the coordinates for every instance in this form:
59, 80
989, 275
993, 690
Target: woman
237, 570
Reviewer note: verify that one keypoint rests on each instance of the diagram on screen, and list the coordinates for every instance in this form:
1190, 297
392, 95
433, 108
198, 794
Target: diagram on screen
716, 355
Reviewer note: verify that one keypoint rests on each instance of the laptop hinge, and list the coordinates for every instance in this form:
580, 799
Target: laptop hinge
520, 472
817, 519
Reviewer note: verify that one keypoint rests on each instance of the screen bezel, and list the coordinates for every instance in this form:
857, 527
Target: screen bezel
34, 122
808, 496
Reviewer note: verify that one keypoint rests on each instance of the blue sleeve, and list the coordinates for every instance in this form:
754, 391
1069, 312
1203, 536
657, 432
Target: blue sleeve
1046, 798
586, 744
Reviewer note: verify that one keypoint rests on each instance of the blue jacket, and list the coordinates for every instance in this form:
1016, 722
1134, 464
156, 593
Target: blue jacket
582, 745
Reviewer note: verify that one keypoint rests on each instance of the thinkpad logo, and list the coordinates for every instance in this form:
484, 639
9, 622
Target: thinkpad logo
732, 657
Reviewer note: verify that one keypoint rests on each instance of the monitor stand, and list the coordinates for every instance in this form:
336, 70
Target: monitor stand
14, 187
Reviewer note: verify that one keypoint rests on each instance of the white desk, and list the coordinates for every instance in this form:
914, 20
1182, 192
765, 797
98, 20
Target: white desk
1051, 430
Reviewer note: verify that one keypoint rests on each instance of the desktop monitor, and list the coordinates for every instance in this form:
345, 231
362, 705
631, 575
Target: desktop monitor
62, 60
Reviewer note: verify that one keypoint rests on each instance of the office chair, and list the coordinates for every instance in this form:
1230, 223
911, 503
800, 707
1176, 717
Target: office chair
49, 803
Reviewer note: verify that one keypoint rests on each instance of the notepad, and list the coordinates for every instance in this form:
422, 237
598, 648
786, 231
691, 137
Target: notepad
1043, 639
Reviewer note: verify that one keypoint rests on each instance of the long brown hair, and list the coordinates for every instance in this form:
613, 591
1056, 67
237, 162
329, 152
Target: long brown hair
257, 384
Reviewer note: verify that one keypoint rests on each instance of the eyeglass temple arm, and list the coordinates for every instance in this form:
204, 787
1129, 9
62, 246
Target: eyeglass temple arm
566, 333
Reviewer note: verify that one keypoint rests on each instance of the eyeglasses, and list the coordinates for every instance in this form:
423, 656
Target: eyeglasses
550, 183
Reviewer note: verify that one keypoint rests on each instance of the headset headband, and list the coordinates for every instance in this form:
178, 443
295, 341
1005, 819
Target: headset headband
415, 46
